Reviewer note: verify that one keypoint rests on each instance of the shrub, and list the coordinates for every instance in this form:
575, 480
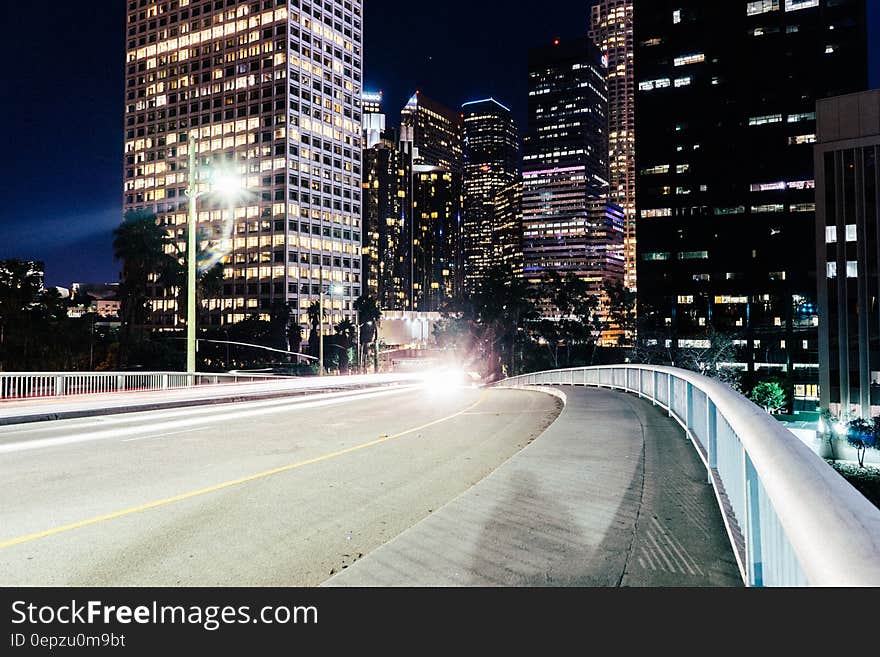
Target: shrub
770, 396
862, 435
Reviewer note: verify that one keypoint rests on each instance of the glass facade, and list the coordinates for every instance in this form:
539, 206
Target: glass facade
271, 90
848, 253
725, 108
568, 224
436, 250
387, 208
611, 30
436, 132
491, 165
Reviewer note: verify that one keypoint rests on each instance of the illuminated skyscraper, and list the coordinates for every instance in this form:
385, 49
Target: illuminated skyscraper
847, 157
373, 119
612, 31
491, 164
436, 252
726, 101
436, 132
568, 224
507, 227
272, 93
387, 208
372, 102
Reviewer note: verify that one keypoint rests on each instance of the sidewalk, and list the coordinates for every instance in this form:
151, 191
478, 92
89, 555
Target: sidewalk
612, 494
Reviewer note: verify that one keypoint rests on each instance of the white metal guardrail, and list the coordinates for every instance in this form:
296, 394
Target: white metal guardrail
791, 519
28, 385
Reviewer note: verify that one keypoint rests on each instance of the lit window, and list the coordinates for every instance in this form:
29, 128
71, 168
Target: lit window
693, 58
767, 118
761, 7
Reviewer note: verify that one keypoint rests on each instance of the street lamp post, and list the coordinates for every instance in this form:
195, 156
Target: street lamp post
225, 184
321, 323
335, 288
357, 326
191, 227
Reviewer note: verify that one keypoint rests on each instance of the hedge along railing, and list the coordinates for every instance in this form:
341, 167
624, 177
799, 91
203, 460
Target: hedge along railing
28, 385
791, 519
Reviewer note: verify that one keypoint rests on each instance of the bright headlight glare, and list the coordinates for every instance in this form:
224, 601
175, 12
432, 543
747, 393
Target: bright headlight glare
444, 380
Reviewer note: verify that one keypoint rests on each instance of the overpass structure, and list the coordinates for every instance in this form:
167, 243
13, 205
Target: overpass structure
790, 518
382, 480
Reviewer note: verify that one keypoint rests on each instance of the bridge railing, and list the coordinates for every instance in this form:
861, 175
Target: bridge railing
28, 385
791, 519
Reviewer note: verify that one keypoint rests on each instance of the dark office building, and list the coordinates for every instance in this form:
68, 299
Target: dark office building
725, 126
436, 261
436, 132
491, 164
387, 198
565, 169
507, 227
848, 253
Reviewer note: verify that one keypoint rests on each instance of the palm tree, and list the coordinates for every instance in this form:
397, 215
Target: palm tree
281, 318
369, 318
316, 318
347, 330
140, 243
579, 312
501, 307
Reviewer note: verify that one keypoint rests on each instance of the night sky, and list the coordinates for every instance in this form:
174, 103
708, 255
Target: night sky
62, 103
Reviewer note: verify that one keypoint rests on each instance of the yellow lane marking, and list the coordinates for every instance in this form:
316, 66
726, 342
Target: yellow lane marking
230, 484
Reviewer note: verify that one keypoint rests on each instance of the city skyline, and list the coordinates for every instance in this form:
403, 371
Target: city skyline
435, 297
70, 229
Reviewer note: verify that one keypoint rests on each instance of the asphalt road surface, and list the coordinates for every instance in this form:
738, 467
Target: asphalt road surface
269, 493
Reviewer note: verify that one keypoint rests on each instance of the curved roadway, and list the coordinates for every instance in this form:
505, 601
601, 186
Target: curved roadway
279, 493
612, 494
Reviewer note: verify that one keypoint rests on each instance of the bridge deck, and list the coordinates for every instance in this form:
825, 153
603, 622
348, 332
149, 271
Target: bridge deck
612, 494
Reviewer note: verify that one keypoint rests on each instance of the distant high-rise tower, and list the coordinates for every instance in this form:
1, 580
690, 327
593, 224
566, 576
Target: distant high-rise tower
371, 102
847, 157
507, 227
436, 253
491, 164
568, 224
372, 120
612, 31
726, 122
436, 132
271, 94
387, 208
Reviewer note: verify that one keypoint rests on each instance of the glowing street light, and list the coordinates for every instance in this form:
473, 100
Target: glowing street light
223, 183
334, 288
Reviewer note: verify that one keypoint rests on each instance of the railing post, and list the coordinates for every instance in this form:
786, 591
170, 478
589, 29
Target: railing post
711, 436
669, 389
59, 385
754, 561
689, 406
164, 382
120, 382
654, 375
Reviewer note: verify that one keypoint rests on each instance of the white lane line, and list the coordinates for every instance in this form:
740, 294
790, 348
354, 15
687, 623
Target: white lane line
189, 411
163, 435
215, 417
